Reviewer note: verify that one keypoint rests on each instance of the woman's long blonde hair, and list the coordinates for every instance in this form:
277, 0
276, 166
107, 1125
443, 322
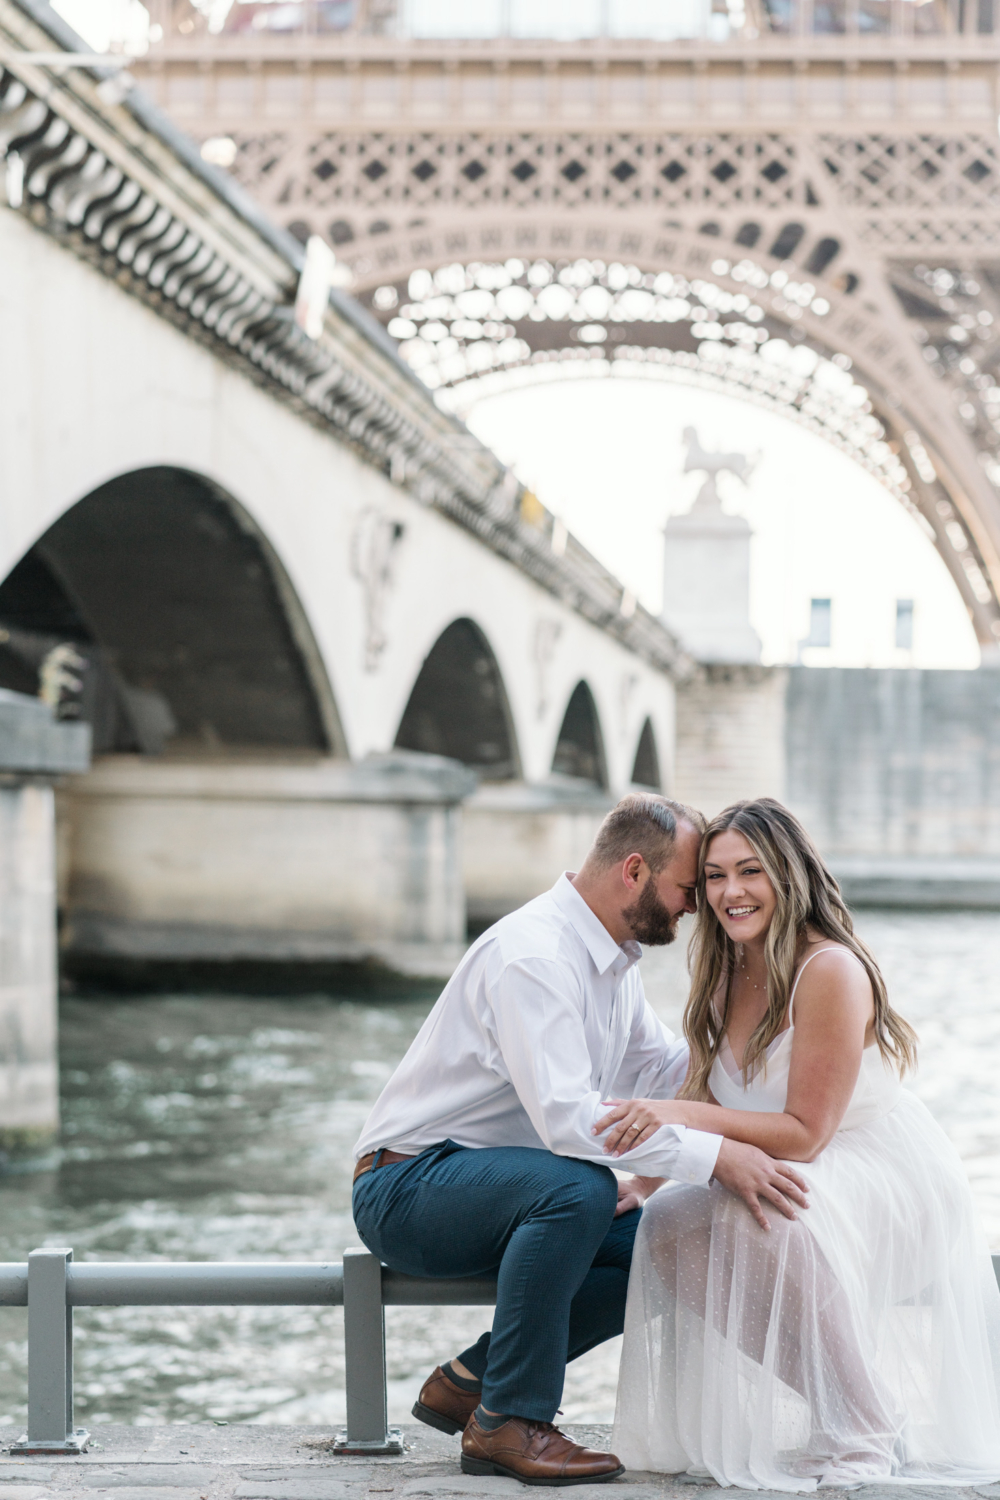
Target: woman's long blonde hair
807, 895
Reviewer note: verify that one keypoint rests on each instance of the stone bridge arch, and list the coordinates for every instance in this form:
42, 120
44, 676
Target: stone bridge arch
580, 750
459, 707
646, 764
822, 345
189, 633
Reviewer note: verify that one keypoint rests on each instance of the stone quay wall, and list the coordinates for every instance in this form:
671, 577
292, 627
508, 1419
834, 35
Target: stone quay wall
900, 763
895, 772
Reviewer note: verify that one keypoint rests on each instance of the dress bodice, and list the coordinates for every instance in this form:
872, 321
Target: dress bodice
875, 1092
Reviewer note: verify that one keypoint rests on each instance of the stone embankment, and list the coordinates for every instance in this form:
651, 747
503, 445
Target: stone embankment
213, 1462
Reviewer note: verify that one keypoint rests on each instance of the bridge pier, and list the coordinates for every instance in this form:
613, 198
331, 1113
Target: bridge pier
317, 864
731, 735
268, 863
518, 837
34, 749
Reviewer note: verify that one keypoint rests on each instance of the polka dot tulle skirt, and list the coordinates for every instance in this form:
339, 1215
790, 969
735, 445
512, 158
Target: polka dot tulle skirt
859, 1343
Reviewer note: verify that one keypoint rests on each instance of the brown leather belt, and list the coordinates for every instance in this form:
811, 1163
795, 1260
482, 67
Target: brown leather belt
367, 1162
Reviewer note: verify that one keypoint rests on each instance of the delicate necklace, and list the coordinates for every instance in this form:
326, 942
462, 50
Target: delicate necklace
743, 965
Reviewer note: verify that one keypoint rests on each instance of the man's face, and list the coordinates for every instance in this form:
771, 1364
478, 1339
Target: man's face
664, 898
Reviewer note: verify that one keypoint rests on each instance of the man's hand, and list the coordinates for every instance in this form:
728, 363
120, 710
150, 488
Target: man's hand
753, 1175
633, 1192
629, 1196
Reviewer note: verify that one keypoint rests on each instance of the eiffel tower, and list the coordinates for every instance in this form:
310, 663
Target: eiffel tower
793, 201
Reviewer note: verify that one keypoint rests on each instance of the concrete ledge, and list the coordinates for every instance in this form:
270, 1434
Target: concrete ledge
203, 1461
402, 776
33, 741
555, 794
94, 945
867, 880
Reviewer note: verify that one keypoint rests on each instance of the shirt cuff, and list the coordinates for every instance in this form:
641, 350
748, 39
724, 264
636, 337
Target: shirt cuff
697, 1155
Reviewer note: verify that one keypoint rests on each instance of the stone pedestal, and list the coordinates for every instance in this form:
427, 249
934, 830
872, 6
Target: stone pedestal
706, 584
34, 748
264, 863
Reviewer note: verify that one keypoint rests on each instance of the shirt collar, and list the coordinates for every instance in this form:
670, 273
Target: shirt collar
596, 938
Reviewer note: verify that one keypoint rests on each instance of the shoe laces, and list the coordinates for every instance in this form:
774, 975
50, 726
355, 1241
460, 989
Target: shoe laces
543, 1429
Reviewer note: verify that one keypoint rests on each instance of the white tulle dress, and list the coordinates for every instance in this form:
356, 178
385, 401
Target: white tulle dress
860, 1342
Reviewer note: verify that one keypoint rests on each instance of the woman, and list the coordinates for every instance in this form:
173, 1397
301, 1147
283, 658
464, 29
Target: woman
861, 1341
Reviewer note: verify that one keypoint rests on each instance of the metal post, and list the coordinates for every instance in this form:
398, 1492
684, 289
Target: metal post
50, 1358
364, 1349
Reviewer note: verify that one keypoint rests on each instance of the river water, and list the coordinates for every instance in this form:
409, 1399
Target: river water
221, 1128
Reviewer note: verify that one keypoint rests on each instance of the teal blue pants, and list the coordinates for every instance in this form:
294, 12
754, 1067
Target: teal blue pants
544, 1225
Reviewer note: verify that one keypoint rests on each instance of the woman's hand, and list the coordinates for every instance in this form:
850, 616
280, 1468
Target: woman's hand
632, 1121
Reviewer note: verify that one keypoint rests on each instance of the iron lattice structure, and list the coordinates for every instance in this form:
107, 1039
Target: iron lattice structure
804, 211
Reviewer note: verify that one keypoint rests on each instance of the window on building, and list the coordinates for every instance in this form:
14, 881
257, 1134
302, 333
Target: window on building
904, 624
820, 622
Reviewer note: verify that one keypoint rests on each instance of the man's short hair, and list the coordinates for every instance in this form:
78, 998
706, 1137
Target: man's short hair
642, 823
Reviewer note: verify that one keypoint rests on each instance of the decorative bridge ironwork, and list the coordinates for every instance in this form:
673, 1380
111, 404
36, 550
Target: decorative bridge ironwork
798, 202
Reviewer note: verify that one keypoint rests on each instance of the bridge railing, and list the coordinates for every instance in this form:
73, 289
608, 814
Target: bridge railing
51, 1285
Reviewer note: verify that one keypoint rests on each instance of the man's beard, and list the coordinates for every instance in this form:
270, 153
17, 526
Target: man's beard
649, 919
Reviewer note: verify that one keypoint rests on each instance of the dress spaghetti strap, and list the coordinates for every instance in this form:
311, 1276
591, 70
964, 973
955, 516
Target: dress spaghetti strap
833, 948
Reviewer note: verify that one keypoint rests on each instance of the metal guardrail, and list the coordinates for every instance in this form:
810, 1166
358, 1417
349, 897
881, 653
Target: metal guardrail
50, 1285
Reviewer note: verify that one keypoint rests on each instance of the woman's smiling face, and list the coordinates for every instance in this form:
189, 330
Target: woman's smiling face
737, 889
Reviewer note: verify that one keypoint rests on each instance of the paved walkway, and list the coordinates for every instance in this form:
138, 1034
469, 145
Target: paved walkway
217, 1462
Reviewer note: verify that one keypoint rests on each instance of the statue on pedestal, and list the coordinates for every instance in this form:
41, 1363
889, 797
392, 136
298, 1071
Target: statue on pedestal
706, 565
712, 464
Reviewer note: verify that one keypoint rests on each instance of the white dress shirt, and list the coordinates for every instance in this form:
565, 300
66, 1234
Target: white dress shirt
544, 1018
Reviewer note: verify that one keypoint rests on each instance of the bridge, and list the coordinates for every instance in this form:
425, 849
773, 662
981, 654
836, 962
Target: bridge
797, 202
298, 603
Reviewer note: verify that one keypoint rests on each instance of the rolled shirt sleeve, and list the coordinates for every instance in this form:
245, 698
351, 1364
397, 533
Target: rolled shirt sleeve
537, 1016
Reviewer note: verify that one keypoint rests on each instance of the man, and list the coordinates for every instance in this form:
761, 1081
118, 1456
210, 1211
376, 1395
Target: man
480, 1156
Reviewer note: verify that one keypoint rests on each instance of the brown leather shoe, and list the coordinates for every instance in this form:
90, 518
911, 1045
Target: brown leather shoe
442, 1404
534, 1453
